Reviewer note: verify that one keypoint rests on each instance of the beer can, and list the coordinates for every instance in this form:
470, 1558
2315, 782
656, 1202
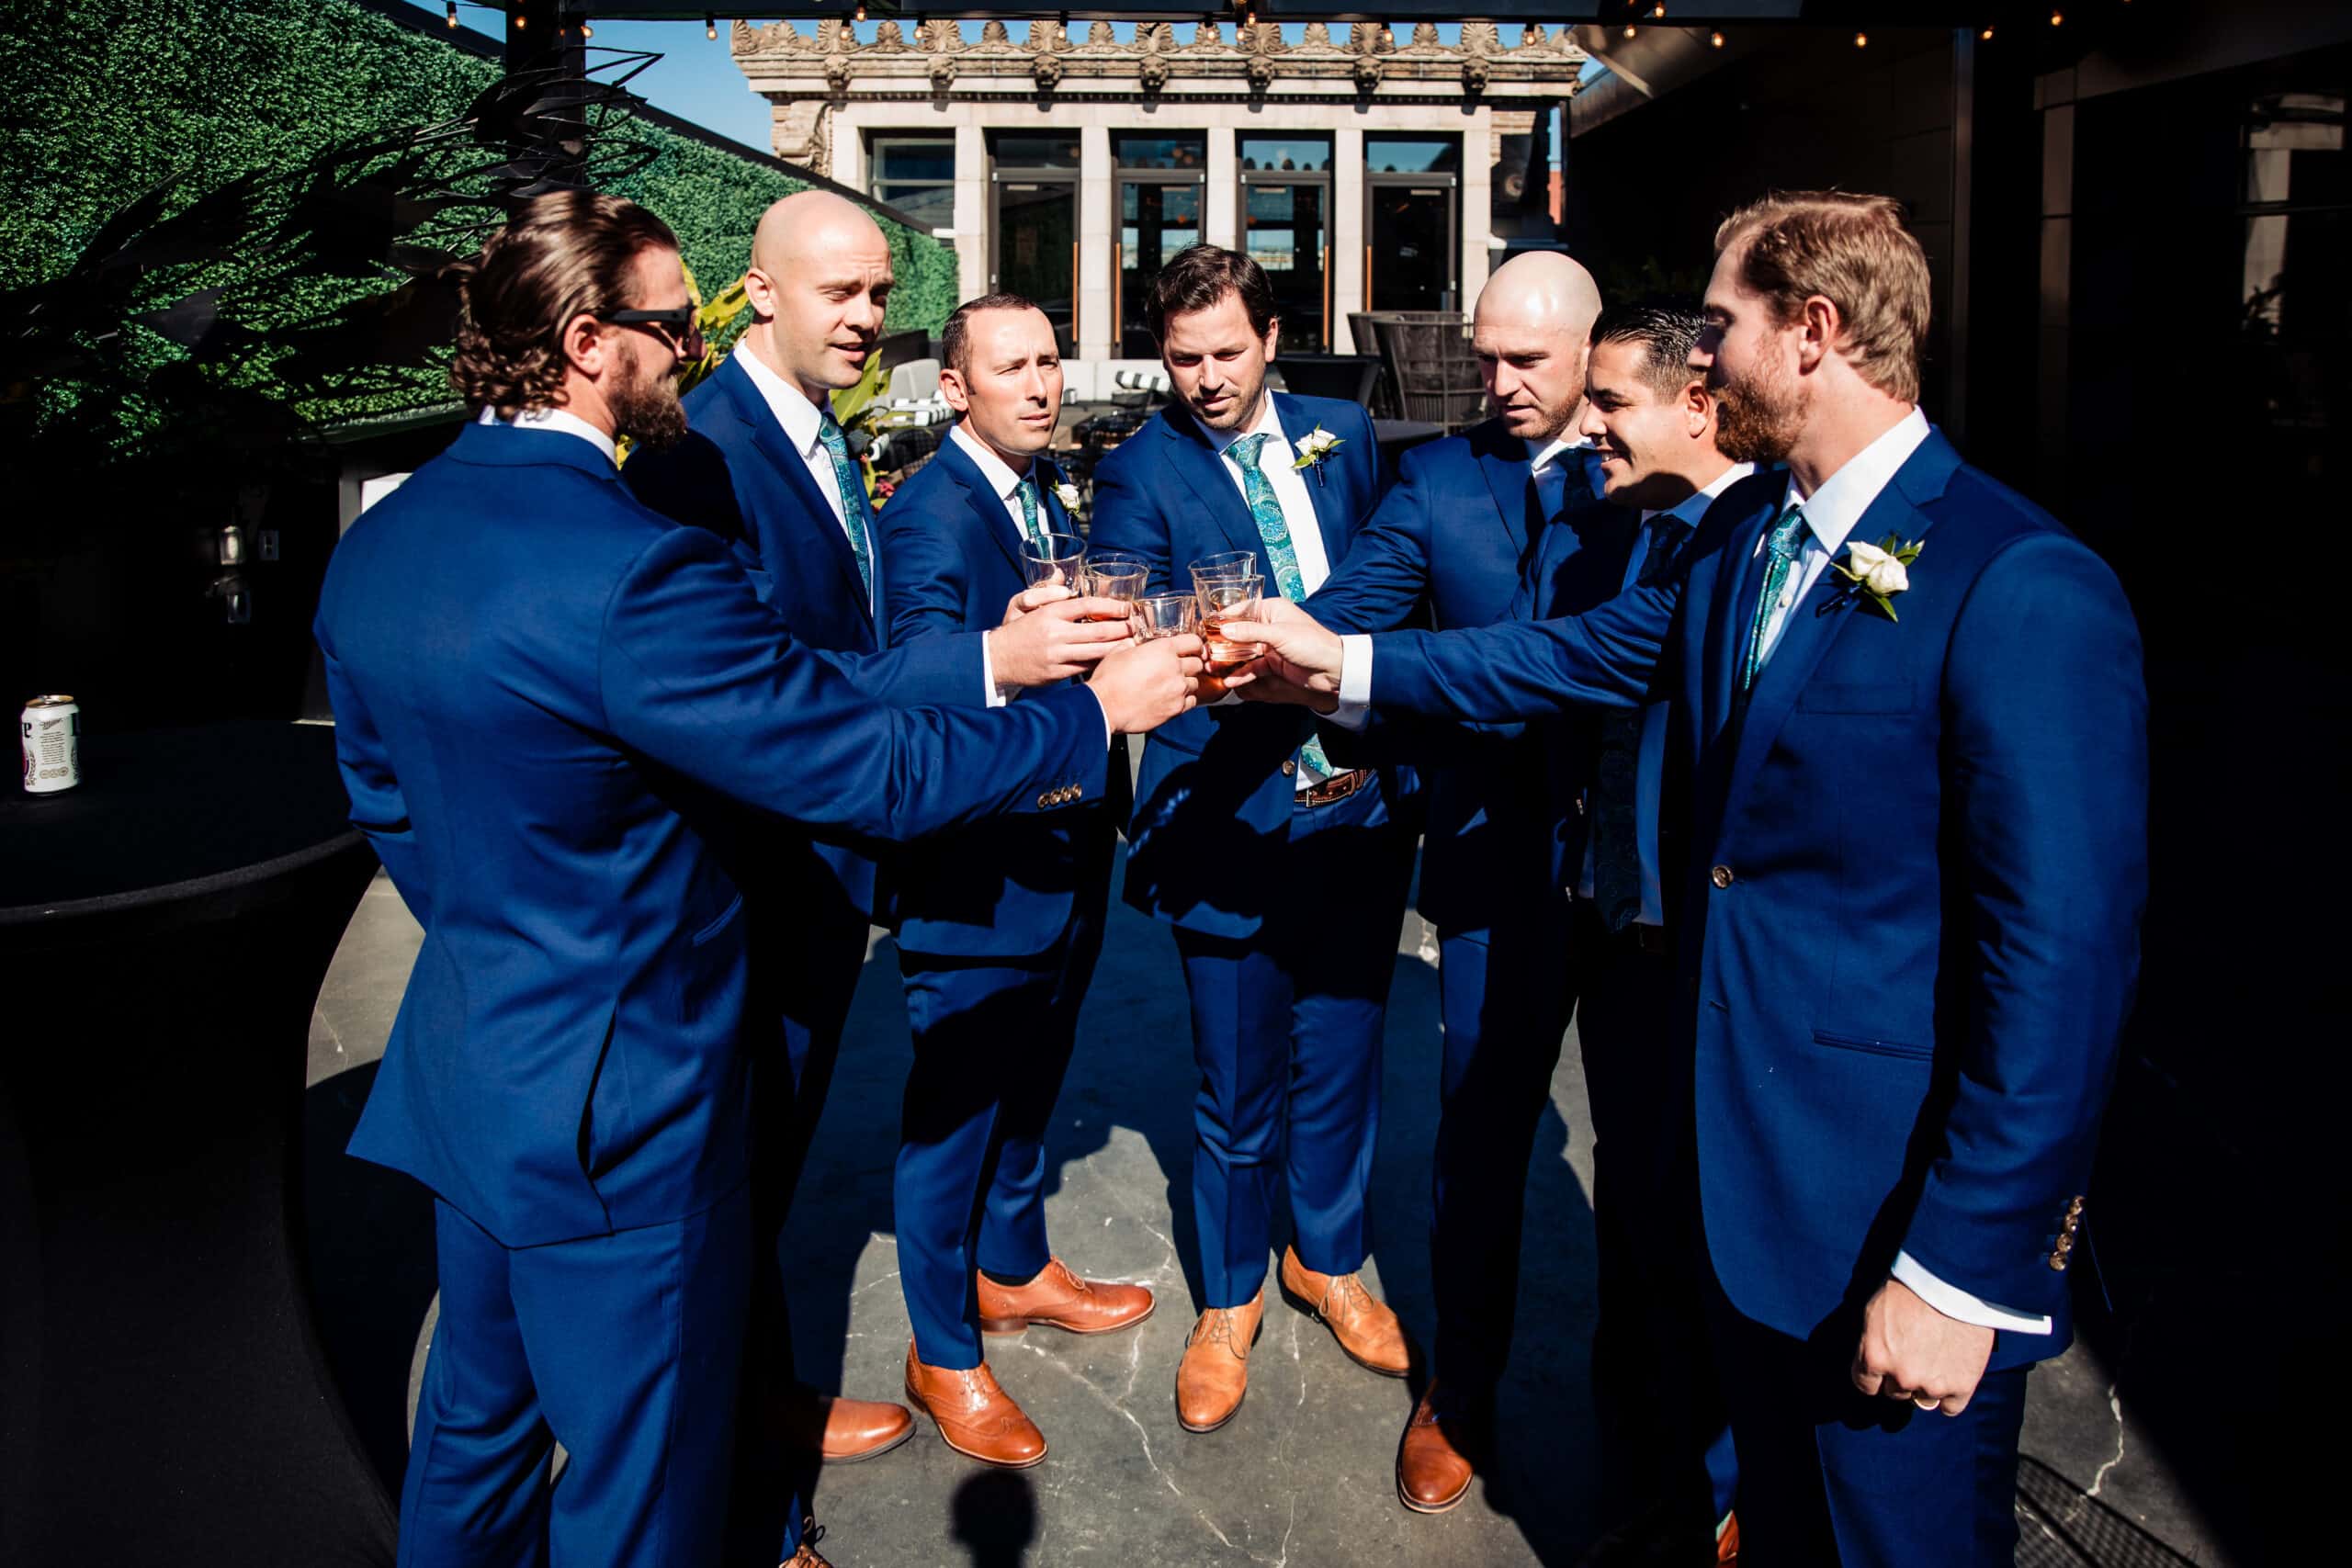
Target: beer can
51, 729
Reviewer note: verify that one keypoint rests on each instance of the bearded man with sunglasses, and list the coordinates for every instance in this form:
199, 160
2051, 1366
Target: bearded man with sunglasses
542, 743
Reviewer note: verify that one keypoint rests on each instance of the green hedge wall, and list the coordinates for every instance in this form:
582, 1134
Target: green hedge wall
122, 95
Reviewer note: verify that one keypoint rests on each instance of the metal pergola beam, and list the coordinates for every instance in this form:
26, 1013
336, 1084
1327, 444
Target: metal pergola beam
1551, 13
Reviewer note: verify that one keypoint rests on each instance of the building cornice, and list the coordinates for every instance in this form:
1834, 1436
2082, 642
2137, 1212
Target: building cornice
1246, 61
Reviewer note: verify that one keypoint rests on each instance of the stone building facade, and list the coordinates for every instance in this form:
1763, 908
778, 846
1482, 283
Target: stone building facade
1365, 168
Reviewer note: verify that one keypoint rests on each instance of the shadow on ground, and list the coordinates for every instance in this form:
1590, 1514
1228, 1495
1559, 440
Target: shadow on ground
1305, 1474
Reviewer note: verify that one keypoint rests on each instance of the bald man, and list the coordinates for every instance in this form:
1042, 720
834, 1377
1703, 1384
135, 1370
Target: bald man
1449, 543
765, 465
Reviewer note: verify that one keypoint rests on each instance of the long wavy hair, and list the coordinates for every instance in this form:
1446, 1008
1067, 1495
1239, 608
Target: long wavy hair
562, 256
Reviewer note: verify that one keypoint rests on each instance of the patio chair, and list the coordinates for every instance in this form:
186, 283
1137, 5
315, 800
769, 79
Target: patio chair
1435, 369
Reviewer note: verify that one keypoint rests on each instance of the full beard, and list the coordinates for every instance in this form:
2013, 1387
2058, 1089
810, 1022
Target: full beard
1758, 419
648, 411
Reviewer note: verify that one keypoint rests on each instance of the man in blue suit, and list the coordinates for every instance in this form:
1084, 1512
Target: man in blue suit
999, 929
1283, 873
1907, 734
541, 743
1452, 542
765, 466
1666, 1457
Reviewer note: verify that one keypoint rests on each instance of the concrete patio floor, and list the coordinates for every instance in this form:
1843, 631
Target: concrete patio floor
1304, 1476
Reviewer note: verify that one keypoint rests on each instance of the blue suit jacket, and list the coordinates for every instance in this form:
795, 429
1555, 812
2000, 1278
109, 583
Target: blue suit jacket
543, 693
1908, 922
1214, 787
1004, 889
1454, 539
737, 475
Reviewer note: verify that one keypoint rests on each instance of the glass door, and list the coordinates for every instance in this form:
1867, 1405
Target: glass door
1412, 232
1285, 228
1161, 195
1037, 250
1033, 225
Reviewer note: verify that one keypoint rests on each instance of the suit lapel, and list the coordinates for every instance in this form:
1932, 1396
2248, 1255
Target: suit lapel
989, 508
1816, 621
1203, 470
1321, 494
767, 435
1507, 478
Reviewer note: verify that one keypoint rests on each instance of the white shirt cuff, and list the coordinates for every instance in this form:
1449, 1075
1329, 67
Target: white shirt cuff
1109, 735
1355, 683
1957, 1303
996, 696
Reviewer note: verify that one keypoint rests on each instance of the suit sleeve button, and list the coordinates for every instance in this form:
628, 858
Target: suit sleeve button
1721, 876
1044, 800
1289, 767
1078, 792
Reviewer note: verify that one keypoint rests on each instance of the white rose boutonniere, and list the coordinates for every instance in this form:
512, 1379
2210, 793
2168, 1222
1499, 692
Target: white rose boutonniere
1067, 493
1317, 446
1876, 573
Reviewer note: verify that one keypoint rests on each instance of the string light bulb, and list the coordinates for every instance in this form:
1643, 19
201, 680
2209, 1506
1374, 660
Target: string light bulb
585, 31
1715, 40
1659, 9
1387, 34
2057, 18
1985, 37
710, 25
453, 13
1630, 29
1861, 41
861, 10
522, 18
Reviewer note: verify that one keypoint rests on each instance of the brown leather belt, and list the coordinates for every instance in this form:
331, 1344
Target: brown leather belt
1339, 786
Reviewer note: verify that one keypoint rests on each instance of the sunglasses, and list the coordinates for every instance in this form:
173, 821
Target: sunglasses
680, 328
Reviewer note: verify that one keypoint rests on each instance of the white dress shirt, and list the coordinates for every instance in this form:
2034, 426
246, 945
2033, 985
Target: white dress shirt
1542, 455
1001, 478
1831, 512
1275, 460
802, 425
1688, 513
1007, 485
563, 420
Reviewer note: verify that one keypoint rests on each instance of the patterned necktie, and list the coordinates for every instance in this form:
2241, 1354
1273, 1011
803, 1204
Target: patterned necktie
1786, 543
1030, 526
1266, 511
852, 486
1616, 836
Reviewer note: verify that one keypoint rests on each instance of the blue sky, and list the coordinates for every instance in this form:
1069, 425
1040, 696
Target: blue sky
697, 79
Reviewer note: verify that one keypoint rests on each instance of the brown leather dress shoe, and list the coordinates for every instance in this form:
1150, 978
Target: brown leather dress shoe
807, 1557
1433, 1464
1366, 1329
1214, 1376
1059, 1299
975, 1417
840, 1430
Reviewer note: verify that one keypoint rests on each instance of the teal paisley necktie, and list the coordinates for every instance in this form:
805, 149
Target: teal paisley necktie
1266, 511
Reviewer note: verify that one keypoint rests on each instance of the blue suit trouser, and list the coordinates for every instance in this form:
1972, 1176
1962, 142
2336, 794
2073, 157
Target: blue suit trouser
1505, 995
1831, 1476
992, 1041
625, 1349
813, 973
1666, 1441
1286, 1032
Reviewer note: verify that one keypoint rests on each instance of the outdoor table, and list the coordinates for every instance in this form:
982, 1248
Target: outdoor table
164, 928
1398, 436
